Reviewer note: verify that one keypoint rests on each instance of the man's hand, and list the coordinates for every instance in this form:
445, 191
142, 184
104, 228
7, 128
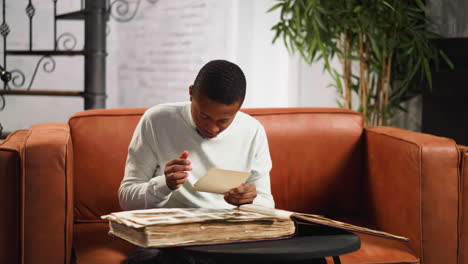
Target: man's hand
244, 194
176, 171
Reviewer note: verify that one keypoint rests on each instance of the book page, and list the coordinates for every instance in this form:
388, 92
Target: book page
169, 216
220, 181
282, 214
316, 219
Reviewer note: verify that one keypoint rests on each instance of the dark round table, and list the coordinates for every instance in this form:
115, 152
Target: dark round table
311, 245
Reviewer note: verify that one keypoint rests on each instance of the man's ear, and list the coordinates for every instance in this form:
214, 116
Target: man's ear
191, 92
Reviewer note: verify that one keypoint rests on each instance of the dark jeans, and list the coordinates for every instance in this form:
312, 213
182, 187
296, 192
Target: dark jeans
174, 256
166, 256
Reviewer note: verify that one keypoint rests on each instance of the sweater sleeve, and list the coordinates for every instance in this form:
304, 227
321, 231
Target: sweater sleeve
139, 189
261, 167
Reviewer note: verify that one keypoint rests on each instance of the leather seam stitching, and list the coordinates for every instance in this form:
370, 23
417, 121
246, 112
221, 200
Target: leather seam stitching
8, 138
23, 191
421, 205
295, 113
66, 226
391, 136
102, 115
399, 129
242, 110
461, 181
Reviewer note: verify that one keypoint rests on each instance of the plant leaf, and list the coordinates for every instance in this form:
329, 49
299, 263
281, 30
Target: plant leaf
427, 71
446, 59
278, 5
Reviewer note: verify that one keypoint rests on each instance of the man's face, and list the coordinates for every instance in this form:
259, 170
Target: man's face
211, 117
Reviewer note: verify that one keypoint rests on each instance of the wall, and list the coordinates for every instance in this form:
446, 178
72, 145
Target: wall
155, 57
450, 17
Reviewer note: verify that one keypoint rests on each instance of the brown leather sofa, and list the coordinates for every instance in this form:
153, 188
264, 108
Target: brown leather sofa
463, 217
57, 179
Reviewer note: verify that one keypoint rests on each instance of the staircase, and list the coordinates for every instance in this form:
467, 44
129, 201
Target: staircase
95, 14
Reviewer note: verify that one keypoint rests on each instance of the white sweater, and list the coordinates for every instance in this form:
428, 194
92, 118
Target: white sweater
164, 132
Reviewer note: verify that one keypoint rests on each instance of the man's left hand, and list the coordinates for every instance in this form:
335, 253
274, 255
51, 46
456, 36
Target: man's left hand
244, 194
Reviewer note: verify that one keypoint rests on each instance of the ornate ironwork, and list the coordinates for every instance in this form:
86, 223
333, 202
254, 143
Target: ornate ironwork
94, 64
2, 106
55, 24
67, 40
121, 11
4, 29
18, 78
50, 63
30, 10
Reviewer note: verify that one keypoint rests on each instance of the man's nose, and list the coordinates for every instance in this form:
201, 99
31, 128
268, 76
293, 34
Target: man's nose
212, 127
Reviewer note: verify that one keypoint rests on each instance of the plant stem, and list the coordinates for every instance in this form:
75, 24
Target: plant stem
362, 78
347, 70
387, 78
381, 90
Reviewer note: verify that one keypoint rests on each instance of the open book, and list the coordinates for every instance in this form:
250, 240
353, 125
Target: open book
168, 227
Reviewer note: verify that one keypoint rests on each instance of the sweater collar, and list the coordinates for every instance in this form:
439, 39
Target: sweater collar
188, 115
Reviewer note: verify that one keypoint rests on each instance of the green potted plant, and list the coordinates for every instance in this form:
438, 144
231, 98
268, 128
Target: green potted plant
384, 48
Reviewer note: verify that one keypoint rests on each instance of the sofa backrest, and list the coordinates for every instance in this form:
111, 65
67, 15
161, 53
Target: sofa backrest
317, 158
100, 143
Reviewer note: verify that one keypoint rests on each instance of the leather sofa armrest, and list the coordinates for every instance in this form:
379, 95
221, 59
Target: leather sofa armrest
463, 215
10, 175
47, 193
411, 185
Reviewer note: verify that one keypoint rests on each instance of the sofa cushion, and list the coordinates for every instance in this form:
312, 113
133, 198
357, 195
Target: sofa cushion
376, 250
92, 244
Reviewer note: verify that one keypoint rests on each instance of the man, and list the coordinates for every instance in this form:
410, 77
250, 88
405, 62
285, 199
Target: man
175, 144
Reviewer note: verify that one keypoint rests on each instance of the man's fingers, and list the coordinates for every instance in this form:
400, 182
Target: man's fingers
177, 168
177, 176
243, 195
181, 181
184, 155
238, 202
176, 171
243, 188
178, 162
175, 180
244, 201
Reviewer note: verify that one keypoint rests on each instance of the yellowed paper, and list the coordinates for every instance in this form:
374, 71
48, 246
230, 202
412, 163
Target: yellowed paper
220, 181
277, 213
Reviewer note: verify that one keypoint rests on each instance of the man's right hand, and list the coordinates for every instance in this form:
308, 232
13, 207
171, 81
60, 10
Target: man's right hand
176, 171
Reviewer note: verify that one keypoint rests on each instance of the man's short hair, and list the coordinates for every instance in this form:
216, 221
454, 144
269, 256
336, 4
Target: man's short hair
221, 81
